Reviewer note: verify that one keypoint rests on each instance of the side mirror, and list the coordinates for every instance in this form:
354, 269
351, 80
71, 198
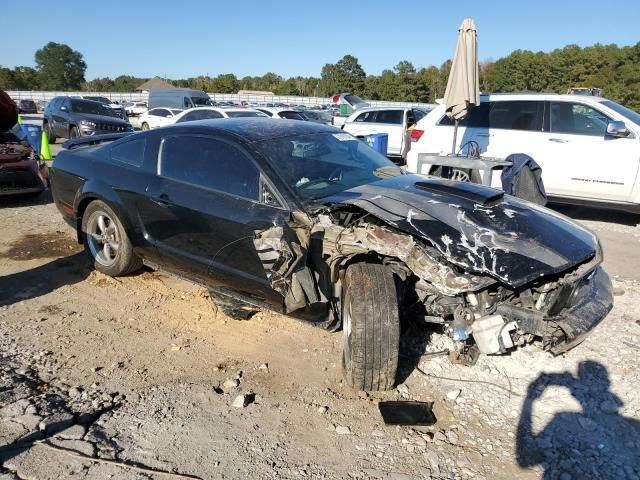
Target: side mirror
169, 116
617, 129
63, 108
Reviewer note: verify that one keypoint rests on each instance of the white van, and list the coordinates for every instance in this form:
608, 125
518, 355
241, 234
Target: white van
588, 147
178, 98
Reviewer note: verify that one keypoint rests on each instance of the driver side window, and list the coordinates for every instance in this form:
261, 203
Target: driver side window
577, 119
211, 163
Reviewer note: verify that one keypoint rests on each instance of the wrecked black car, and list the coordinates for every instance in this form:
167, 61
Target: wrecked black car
307, 220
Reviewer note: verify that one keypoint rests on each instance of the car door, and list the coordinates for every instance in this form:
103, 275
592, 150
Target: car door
363, 124
131, 166
204, 211
392, 122
59, 117
580, 160
515, 126
473, 128
158, 117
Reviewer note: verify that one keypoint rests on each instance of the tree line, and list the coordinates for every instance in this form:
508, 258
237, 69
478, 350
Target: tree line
614, 69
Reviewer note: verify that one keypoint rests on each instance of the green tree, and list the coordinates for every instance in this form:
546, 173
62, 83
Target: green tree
6, 79
349, 75
226, 83
60, 67
327, 80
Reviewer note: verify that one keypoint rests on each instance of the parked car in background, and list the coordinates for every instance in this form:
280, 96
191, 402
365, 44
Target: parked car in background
588, 147
67, 117
206, 113
318, 116
287, 113
133, 109
158, 117
394, 121
113, 106
27, 106
305, 219
178, 98
22, 172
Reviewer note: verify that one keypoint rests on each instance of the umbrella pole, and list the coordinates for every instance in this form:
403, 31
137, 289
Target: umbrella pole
455, 137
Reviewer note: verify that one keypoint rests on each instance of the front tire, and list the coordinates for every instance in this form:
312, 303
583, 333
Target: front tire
371, 327
106, 242
50, 135
73, 133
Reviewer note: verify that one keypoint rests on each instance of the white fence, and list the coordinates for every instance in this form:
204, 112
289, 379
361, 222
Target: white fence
218, 97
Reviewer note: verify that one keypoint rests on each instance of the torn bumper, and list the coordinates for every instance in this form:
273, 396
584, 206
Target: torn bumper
25, 176
593, 301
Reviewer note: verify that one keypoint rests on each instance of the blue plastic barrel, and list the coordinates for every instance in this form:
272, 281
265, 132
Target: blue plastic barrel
33, 135
378, 141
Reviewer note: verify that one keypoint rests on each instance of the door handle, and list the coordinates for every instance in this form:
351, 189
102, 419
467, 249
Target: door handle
162, 200
558, 140
485, 134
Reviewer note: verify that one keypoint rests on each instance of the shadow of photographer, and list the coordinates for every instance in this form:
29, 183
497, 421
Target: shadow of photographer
597, 442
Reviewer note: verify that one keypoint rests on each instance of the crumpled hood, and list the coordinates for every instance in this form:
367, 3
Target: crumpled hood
476, 227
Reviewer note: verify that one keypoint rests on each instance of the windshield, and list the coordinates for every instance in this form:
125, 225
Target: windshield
201, 101
90, 107
627, 112
175, 111
323, 164
245, 114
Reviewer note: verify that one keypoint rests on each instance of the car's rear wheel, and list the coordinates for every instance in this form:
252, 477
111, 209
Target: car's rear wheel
73, 132
371, 327
47, 128
106, 241
144, 126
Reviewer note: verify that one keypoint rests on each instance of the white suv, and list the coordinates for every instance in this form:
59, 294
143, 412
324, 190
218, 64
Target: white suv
394, 121
588, 147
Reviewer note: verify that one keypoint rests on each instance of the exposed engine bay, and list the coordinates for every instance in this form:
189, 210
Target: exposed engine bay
470, 282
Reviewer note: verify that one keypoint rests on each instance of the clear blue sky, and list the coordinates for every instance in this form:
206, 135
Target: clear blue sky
181, 39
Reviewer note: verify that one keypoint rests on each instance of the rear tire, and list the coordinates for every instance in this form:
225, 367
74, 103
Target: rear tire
100, 226
371, 327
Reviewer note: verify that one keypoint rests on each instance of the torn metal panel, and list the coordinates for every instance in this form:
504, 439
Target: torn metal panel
368, 238
282, 251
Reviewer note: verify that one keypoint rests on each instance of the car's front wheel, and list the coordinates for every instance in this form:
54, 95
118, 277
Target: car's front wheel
50, 135
73, 133
371, 327
106, 241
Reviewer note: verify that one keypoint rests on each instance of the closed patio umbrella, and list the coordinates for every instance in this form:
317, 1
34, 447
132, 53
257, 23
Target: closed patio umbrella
463, 86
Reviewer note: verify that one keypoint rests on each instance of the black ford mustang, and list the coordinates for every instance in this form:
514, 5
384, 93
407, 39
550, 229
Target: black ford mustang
305, 219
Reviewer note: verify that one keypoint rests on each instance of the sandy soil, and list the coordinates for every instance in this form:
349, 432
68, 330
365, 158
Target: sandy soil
146, 370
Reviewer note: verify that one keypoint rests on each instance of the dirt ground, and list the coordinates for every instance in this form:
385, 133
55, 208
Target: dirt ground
141, 375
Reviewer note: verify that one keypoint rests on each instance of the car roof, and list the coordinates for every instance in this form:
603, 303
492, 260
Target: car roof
380, 107
540, 96
257, 129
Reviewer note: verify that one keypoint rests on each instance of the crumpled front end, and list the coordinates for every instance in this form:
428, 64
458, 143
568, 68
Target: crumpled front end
21, 172
492, 272
588, 303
